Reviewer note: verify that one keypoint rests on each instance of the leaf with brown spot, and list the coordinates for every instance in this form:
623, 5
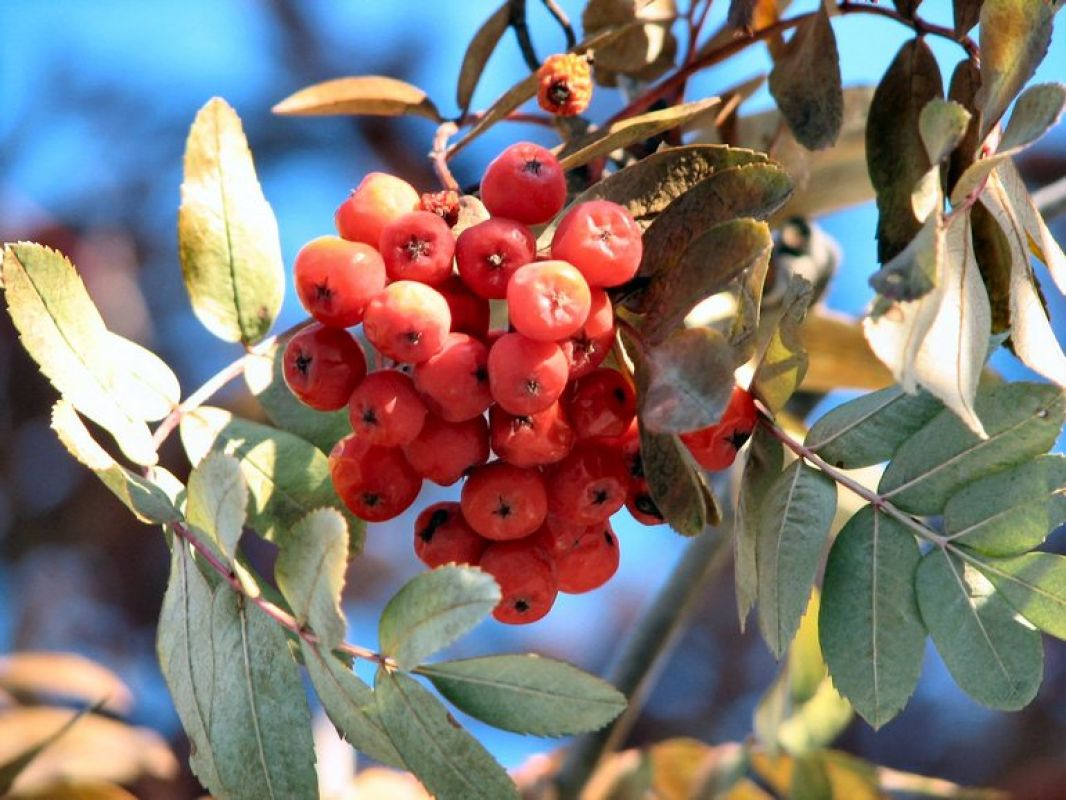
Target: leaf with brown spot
372, 95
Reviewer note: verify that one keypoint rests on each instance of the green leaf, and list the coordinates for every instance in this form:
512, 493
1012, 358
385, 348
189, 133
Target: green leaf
673, 482
784, 360
217, 499
1015, 35
805, 82
744, 332
448, 761
227, 234
63, 332
942, 125
580, 151
263, 376
434, 609
868, 429
1009, 512
310, 573
11, 769
478, 52
148, 502
374, 95
350, 704
689, 381
754, 190
1022, 420
766, 456
793, 526
708, 265
895, 153
993, 657
527, 694
870, 629
287, 477
1035, 584
1037, 111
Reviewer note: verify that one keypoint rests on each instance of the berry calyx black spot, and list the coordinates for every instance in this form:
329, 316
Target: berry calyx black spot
303, 364
503, 510
416, 248
521, 606
599, 496
436, 519
532, 166
559, 92
323, 292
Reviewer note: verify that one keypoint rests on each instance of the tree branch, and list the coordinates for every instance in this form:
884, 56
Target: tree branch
563, 20
521, 32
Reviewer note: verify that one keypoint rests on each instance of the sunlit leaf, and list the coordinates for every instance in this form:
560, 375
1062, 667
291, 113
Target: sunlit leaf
764, 463
913, 271
942, 124
1035, 584
993, 657
310, 573
645, 49
375, 95
444, 757
784, 361
478, 53
434, 609
227, 234
689, 381
871, 633
1041, 241
527, 693
217, 499
1037, 111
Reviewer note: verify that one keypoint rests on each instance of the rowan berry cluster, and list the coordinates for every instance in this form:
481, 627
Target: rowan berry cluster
449, 391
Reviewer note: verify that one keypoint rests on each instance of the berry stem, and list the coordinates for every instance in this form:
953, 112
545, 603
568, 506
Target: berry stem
521, 32
563, 20
438, 156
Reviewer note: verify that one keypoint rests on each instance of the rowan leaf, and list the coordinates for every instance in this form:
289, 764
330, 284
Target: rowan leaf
993, 657
1037, 111
12, 768
871, 633
805, 82
942, 125
478, 52
217, 497
350, 704
310, 573
793, 527
784, 361
764, 463
689, 381
1022, 420
913, 272
527, 693
994, 257
442, 755
374, 95
838, 355
1009, 512
227, 235
868, 430
433, 610
673, 482
1041, 242
966, 15
1034, 584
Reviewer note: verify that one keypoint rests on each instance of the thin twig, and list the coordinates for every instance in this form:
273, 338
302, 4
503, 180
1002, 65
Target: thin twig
521, 32
439, 156
563, 20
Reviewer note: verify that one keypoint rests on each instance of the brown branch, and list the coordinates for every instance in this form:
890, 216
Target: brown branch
563, 20
521, 32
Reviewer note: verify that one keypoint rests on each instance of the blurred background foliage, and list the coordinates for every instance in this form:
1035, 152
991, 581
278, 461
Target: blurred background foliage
95, 103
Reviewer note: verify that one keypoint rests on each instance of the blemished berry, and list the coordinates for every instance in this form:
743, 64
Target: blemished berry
335, 279
524, 183
322, 366
526, 376
564, 84
376, 483
418, 246
487, 255
386, 410
588, 485
470, 313
501, 501
445, 204
455, 382
374, 203
587, 348
602, 240
531, 440
407, 322
442, 536
590, 562
641, 505
715, 447
602, 403
548, 300
444, 451
526, 577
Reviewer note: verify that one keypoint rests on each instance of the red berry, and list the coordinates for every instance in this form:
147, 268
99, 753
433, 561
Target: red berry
565, 84
418, 246
601, 404
526, 577
590, 562
526, 376
407, 322
548, 300
442, 536
524, 183
587, 348
376, 483
444, 451
487, 255
715, 447
335, 279
445, 204
641, 505
386, 410
588, 485
374, 203
531, 440
470, 313
322, 366
501, 501
602, 240
455, 382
